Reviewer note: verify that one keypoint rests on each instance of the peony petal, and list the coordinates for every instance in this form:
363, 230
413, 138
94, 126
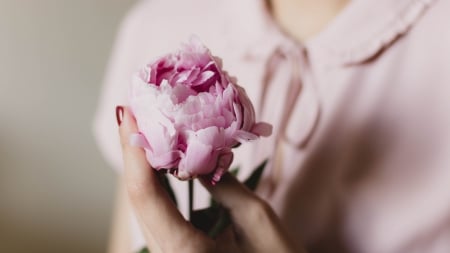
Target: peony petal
212, 136
262, 129
167, 160
182, 92
238, 112
229, 134
193, 75
190, 112
138, 140
248, 112
190, 122
228, 116
202, 78
182, 76
192, 105
159, 132
163, 161
144, 74
218, 89
193, 54
244, 136
199, 159
183, 175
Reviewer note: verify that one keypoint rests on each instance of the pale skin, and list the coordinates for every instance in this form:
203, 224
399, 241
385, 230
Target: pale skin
256, 228
303, 19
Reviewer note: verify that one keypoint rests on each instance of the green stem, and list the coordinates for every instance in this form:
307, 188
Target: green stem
191, 197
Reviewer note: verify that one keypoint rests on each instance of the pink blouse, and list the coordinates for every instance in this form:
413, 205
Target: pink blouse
360, 156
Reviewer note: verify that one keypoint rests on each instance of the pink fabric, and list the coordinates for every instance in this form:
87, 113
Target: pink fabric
359, 158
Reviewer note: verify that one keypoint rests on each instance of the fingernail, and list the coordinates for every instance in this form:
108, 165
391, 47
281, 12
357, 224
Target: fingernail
119, 114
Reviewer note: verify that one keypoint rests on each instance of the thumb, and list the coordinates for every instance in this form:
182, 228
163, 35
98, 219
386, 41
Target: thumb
246, 209
253, 219
155, 210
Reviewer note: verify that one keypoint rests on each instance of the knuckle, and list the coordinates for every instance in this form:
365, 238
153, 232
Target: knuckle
259, 210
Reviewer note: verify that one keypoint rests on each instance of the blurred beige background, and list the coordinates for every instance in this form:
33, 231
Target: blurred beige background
56, 192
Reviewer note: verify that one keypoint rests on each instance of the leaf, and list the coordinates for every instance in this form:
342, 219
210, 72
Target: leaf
205, 219
221, 224
235, 171
144, 250
252, 181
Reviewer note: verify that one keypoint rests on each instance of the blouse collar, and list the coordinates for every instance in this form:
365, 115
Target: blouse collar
360, 31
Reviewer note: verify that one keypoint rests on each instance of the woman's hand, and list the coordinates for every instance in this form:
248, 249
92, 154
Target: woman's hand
255, 226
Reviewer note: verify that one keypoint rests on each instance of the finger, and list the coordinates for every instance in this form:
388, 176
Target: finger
226, 241
237, 198
230, 192
247, 211
152, 244
149, 199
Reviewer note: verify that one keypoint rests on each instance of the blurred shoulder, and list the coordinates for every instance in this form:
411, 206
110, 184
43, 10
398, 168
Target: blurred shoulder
158, 26
432, 29
425, 47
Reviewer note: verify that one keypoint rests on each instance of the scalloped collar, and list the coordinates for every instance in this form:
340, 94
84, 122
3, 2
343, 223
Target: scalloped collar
360, 31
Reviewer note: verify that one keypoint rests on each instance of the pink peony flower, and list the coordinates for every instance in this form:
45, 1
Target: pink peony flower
190, 113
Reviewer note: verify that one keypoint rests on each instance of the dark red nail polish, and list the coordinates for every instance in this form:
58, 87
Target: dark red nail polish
119, 114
